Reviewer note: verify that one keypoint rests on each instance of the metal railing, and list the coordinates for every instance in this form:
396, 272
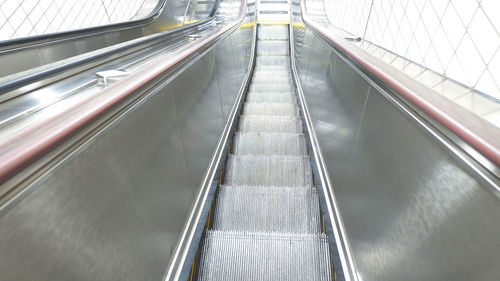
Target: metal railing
451, 46
23, 18
480, 136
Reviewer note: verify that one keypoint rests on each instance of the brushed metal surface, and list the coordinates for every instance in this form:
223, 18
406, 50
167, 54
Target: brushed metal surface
200, 114
411, 211
172, 16
103, 215
19, 61
115, 209
63, 50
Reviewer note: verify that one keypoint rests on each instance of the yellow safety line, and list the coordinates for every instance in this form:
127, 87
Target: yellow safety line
333, 269
247, 25
297, 24
209, 216
323, 219
192, 272
190, 21
169, 27
194, 264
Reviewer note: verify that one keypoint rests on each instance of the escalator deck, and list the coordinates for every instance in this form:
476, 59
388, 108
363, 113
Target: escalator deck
266, 221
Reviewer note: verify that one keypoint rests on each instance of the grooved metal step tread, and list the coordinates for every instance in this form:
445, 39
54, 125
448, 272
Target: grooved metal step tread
271, 73
273, 47
269, 144
277, 124
283, 97
292, 171
263, 67
271, 87
264, 256
275, 32
276, 109
271, 80
267, 209
273, 60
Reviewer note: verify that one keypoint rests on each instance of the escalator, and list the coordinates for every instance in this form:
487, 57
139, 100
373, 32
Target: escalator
266, 221
248, 147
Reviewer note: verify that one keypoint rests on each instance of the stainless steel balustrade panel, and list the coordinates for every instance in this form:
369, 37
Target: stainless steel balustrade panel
114, 210
411, 211
200, 115
172, 16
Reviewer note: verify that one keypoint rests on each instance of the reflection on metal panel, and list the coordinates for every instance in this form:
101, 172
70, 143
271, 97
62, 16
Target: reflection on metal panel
410, 209
114, 210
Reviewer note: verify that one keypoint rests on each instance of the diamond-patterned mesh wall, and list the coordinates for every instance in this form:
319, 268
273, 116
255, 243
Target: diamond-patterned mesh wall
21, 18
452, 46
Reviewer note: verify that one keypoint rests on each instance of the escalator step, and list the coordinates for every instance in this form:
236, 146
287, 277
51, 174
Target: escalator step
277, 124
263, 67
267, 209
272, 98
278, 77
293, 171
273, 47
273, 109
271, 87
273, 60
271, 74
275, 32
264, 256
269, 144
